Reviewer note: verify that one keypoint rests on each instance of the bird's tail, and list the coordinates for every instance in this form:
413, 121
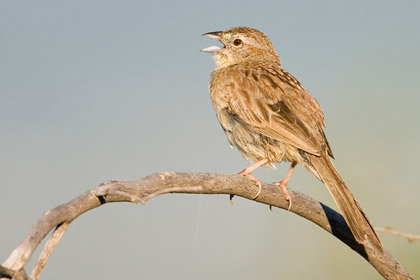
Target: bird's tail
352, 212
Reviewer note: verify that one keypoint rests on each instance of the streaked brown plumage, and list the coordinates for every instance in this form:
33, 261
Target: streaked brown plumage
270, 117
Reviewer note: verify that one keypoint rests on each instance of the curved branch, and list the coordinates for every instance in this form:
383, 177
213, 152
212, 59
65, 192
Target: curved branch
194, 183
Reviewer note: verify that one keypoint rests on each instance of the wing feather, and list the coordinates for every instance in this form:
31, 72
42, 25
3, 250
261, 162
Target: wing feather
262, 99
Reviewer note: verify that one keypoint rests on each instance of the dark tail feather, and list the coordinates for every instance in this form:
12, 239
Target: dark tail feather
352, 212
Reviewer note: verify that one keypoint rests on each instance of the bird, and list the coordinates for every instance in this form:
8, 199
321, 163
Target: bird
270, 117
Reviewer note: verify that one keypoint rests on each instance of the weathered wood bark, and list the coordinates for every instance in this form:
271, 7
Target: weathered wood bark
194, 183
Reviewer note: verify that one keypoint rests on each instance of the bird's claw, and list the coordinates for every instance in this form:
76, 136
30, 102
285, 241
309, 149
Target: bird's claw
286, 193
253, 179
259, 190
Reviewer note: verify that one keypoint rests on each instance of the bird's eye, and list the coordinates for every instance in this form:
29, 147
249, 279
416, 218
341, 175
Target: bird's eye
237, 42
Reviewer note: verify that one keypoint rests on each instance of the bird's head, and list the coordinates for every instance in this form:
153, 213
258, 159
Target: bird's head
241, 44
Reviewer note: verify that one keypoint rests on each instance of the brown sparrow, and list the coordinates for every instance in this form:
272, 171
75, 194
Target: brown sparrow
270, 117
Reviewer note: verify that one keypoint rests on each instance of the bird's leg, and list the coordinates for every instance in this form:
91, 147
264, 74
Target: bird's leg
247, 172
283, 184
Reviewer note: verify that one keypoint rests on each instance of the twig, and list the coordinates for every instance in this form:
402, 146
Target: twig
48, 248
410, 237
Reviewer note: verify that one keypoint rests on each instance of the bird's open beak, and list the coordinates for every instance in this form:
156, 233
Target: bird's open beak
215, 35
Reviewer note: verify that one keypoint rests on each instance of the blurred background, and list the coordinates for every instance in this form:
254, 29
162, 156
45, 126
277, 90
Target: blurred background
98, 90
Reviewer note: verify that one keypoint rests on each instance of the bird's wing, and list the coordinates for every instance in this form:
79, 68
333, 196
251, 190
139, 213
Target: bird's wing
274, 103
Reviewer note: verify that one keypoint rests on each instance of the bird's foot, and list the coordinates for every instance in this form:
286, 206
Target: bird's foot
248, 174
283, 186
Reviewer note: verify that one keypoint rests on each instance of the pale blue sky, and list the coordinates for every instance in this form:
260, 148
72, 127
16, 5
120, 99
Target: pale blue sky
98, 90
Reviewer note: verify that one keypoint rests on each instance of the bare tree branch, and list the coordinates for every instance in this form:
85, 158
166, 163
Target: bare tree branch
48, 248
193, 183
